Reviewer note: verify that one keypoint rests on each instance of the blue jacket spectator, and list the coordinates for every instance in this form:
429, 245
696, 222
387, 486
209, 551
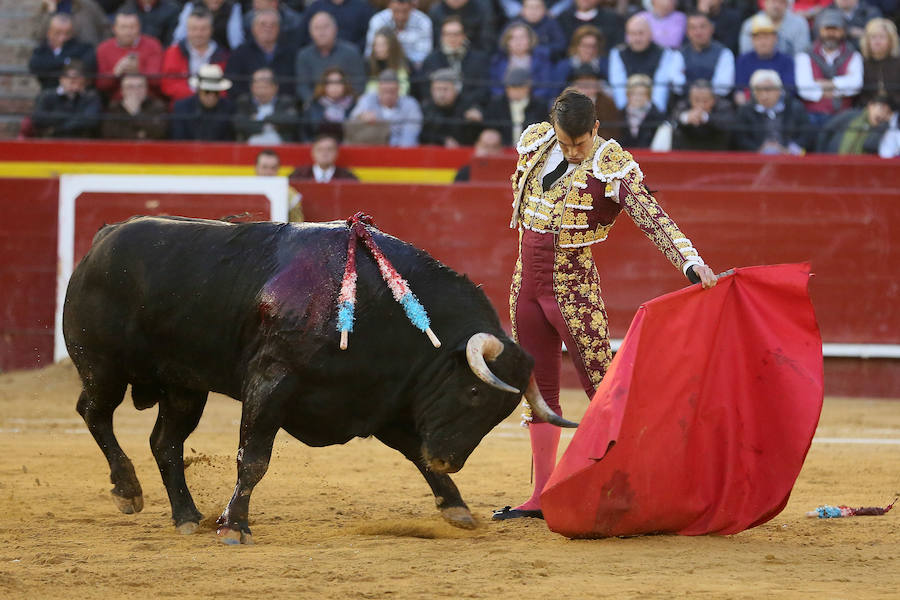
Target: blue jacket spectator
549, 33
705, 58
264, 49
352, 17
586, 52
764, 55
207, 115
520, 50
57, 50
589, 12
454, 52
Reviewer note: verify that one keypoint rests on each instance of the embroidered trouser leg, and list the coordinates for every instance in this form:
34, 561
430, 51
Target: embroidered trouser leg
539, 323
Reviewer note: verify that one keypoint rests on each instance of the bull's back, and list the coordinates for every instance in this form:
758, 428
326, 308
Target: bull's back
176, 299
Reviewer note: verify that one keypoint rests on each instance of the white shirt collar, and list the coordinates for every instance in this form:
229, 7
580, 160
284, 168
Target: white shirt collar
323, 175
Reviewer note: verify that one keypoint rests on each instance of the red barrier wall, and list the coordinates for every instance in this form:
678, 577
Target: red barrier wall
845, 233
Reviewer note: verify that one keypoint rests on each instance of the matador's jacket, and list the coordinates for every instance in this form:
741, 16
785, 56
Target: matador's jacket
579, 210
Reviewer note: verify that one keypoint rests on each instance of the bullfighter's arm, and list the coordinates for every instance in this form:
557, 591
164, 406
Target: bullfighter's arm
650, 218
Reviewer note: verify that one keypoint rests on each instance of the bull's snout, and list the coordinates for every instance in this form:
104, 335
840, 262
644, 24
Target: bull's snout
439, 465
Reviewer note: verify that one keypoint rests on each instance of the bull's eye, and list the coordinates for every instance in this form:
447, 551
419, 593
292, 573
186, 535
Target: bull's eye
473, 391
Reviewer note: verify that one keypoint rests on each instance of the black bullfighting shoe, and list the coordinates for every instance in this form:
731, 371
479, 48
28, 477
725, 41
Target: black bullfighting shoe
507, 512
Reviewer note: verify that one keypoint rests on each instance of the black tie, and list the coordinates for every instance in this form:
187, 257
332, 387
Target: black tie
551, 177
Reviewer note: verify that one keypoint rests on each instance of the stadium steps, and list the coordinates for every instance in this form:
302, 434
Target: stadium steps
18, 89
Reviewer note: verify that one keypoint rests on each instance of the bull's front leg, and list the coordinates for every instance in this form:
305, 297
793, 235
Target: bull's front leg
262, 415
446, 494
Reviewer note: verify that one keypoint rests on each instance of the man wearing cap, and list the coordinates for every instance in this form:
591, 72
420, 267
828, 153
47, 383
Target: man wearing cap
568, 188
516, 109
207, 115
856, 14
793, 30
444, 113
400, 112
765, 55
830, 75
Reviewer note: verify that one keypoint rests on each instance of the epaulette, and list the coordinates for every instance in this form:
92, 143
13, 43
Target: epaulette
611, 162
534, 136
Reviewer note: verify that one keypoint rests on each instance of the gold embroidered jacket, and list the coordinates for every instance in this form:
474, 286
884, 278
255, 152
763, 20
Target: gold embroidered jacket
579, 210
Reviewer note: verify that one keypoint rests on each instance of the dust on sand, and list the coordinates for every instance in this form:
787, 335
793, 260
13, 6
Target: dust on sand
358, 521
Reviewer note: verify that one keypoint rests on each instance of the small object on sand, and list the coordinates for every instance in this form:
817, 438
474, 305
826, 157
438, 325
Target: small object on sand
836, 512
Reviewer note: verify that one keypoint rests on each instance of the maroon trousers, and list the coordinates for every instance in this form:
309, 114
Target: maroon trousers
540, 325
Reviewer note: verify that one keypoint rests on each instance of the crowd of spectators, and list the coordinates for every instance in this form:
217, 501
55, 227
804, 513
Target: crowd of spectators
766, 76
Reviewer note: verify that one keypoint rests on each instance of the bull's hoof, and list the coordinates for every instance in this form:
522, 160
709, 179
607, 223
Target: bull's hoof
187, 528
459, 516
234, 537
128, 505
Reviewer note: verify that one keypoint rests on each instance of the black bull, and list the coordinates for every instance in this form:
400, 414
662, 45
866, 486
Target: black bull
180, 307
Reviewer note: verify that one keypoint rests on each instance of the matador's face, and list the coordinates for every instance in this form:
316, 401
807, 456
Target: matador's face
577, 149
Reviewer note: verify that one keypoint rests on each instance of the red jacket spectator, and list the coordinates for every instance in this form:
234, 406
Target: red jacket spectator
177, 66
148, 53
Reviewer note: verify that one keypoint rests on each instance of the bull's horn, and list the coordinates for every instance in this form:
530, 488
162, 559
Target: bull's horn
480, 348
539, 407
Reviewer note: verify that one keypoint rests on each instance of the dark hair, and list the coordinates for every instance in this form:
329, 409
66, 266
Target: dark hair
573, 112
326, 135
266, 152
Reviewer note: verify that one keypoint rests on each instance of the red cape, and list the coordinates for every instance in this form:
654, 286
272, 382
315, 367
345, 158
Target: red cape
705, 416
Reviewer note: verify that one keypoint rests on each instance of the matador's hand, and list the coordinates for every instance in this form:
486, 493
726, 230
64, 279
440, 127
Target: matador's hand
706, 275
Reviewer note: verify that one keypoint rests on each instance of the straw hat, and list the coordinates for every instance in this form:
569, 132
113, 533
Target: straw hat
210, 78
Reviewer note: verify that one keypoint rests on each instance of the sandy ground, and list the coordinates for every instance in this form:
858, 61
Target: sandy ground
357, 521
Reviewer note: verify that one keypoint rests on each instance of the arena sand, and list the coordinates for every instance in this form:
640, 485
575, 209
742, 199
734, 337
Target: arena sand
357, 521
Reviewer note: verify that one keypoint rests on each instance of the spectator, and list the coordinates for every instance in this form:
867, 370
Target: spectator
387, 53
333, 99
55, 52
666, 24
159, 18
445, 117
587, 51
857, 131
324, 168
207, 114
69, 111
793, 30
137, 115
890, 142
585, 80
489, 143
589, 12
705, 58
263, 49
519, 49
641, 55
128, 51
515, 109
765, 55
352, 17
387, 112
703, 121
262, 116
856, 14
183, 60
411, 26
89, 23
291, 20
228, 23
549, 33
881, 69
726, 21
327, 51
773, 122
477, 17
267, 164
831, 73
642, 117
454, 52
